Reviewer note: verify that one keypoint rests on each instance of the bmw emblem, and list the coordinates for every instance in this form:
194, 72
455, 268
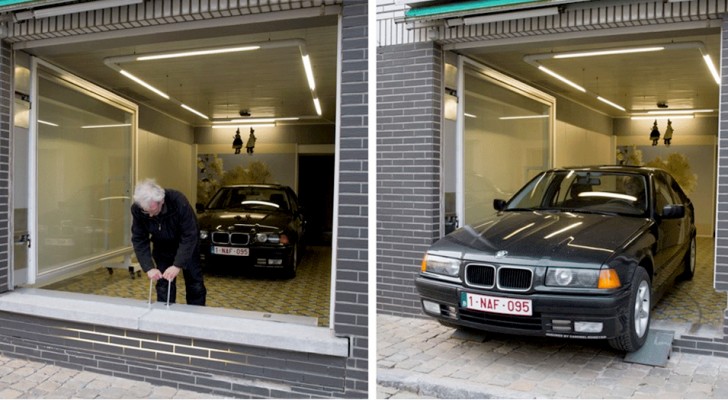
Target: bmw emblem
501, 254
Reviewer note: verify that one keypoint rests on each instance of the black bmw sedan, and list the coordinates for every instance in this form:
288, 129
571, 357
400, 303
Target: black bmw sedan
576, 253
253, 226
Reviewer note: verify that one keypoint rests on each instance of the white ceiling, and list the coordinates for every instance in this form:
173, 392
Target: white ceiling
265, 82
635, 81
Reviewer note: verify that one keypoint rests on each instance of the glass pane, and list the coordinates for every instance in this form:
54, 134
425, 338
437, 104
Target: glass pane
505, 143
84, 175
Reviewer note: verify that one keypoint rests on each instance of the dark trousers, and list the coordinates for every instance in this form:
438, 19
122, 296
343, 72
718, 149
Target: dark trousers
196, 292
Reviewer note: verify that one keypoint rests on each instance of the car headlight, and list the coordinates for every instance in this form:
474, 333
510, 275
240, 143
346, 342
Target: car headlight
204, 234
441, 265
572, 277
267, 237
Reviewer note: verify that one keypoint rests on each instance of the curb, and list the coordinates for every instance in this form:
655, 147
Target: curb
442, 388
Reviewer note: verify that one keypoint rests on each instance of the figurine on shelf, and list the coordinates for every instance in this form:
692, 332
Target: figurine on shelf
668, 133
655, 134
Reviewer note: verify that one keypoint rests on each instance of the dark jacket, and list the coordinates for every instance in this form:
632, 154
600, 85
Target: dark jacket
169, 237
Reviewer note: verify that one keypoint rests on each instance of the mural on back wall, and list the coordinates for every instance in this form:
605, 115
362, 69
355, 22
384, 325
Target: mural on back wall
211, 175
677, 164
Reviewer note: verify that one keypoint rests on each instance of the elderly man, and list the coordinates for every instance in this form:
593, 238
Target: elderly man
164, 235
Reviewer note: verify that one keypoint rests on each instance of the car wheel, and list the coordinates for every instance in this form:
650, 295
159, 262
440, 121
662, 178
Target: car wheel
290, 271
638, 318
689, 261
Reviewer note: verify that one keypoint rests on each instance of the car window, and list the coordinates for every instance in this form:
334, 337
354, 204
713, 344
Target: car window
250, 197
586, 191
663, 193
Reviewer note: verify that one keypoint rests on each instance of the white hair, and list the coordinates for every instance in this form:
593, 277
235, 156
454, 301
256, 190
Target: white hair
147, 191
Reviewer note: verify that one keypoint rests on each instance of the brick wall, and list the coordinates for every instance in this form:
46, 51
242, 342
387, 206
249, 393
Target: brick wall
408, 169
351, 296
6, 99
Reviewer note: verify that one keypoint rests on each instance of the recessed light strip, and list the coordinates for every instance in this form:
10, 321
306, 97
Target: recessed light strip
252, 125
192, 53
608, 52
652, 117
104, 126
670, 112
561, 78
524, 117
711, 67
192, 110
40, 121
146, 85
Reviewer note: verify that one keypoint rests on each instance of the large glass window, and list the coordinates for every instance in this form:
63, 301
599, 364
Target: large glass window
84, 161
506, 141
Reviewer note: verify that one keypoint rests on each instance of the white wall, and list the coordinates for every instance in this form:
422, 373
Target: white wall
575, 146
171, 162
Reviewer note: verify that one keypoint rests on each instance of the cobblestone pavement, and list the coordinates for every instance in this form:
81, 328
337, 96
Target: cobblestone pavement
419, 358
23, 379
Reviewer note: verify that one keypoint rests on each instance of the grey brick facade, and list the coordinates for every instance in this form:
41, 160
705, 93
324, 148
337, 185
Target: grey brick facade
408, 169
226, 369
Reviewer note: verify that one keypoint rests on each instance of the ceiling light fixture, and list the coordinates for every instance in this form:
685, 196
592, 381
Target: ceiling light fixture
615, 105
192, 110
524, 117
681, 116
576, 54
671, 112
73, 8
193, 53
561, 78
261, 125
40, 121
711, 66
141, 82
113, 62
105, 126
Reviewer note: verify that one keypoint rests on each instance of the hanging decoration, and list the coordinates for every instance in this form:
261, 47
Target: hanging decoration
251, 141
237, 142
655, 134
668, 133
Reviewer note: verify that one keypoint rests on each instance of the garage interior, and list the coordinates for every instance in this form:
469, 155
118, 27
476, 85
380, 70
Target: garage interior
656, 75
251, 87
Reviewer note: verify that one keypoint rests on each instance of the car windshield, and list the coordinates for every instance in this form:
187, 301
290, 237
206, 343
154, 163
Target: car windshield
249, 197
584, 191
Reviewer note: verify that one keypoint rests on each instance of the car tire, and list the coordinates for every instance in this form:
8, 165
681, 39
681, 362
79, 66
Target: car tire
290, 271
638, 316
689, 261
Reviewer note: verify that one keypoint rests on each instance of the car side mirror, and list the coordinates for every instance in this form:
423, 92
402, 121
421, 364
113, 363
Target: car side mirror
673, 211
200, 208
499, 204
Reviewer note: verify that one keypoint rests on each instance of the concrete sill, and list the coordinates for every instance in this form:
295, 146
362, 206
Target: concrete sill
281, 332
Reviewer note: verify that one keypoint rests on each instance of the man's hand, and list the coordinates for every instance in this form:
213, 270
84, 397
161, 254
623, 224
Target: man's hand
170, 273
154, 274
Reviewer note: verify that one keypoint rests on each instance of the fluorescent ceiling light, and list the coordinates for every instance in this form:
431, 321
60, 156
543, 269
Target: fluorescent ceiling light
221, 126
711, 67
615, 105
506, 16
146, 85
561, 78
470, 115
669, 112
73, 8
261, 120
193, 53
681, 116
524, 117
192, 110
608, 52
317, 104
309, 72
104, 126
40, 121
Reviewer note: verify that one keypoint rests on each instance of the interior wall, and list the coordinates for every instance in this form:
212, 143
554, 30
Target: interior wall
696, 140
166, 152
582, 136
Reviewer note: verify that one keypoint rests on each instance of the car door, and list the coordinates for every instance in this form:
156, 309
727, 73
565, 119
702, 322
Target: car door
670, 231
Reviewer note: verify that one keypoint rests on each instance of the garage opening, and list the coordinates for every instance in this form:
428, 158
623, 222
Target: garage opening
611, 94
193, 92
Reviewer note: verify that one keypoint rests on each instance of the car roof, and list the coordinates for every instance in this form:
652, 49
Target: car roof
634, 169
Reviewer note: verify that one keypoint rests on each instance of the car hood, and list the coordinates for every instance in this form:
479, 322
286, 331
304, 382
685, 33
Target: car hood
542, 237
242, 219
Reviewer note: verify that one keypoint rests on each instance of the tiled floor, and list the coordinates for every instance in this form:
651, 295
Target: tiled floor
695, 301
307, 294
692, 302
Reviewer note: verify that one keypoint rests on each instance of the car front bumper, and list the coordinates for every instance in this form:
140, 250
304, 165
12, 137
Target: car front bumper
556, 315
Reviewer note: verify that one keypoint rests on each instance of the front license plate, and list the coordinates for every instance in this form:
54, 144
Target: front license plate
498, 305
231, 251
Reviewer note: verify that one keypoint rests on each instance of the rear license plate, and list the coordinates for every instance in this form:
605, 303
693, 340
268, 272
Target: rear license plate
497, 305
231, 251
